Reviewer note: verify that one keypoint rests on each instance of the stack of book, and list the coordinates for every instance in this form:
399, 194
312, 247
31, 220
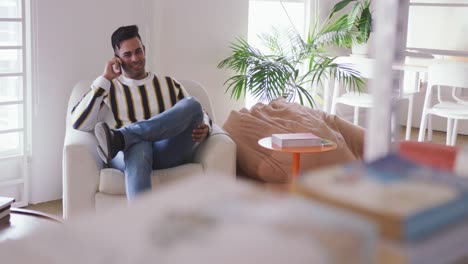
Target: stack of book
414, 206
297, 140
5, 205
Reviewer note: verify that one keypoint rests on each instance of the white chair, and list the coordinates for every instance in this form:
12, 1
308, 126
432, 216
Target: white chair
88, 186
353, 98
453, 74
358, 100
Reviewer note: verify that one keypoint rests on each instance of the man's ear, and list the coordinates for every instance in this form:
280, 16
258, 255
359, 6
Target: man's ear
144, 48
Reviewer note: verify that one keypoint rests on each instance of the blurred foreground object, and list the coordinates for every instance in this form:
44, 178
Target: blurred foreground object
421, 210
191, 222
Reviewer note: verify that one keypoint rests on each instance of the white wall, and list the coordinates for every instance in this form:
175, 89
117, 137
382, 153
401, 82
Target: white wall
195, 36
185, 39
448, 27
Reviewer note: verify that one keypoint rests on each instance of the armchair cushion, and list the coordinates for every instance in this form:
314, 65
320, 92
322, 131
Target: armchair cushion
112, 181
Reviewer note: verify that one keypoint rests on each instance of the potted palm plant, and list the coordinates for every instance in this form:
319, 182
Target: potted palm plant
356, 24
289, 67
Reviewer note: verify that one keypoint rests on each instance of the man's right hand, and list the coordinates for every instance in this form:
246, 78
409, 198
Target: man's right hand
112, 69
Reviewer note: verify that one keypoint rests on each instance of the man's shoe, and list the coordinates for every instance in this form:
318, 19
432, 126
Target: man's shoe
105, 137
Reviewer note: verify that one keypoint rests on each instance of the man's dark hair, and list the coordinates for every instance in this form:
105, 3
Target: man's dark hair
124, 33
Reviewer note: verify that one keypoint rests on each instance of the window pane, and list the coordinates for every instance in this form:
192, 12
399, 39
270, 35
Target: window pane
10, 8
264, 15
436, 27
11, 116
11, 168
10, 144
10, 34
11, 88
11, 61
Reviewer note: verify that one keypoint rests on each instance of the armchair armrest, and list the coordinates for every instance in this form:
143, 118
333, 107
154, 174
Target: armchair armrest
217, 153
81, 167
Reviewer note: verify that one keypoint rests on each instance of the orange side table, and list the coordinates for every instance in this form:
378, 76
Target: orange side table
296, 152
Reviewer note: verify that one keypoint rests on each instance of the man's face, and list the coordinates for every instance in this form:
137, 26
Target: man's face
132, 55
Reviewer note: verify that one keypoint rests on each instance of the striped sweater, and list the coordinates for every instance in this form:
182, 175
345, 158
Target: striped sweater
123, 101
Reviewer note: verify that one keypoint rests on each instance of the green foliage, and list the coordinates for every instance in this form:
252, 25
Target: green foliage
354, 26
290, 65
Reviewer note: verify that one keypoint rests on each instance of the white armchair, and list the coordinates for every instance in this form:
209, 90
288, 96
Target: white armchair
88, 186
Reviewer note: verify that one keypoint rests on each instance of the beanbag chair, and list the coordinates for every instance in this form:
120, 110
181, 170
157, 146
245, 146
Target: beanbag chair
246, 127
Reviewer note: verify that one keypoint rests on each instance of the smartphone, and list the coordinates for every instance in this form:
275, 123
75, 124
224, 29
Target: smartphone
117, 68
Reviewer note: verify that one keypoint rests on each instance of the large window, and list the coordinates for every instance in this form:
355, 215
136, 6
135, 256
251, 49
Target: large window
12, 99
265, 15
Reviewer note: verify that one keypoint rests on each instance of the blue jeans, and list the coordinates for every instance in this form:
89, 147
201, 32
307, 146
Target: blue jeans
161, 142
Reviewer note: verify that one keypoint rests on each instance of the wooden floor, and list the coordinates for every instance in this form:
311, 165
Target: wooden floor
55, 207
437, 137
51, 207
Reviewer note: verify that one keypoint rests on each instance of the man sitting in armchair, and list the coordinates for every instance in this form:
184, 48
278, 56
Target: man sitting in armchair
155, 123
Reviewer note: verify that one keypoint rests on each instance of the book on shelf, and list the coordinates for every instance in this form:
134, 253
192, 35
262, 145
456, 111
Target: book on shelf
5, 214
406, 200
5, 205
297, 140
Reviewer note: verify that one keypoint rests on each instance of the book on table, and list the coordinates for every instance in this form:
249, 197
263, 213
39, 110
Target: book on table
297, 140
407, 201
5, 205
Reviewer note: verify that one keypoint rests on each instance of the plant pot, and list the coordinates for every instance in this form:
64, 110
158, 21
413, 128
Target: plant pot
363, 49
360, 49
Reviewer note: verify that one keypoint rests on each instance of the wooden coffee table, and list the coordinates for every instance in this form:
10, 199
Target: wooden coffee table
296, 152
23, 222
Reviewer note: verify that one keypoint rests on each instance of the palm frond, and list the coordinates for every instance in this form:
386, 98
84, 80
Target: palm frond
348, 76
284, 43
364, 24
358, 24
303, 93
338, 6
280, 73
339, 32
353, 16
273, 41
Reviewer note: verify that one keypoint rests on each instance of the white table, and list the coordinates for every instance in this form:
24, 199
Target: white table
415, 70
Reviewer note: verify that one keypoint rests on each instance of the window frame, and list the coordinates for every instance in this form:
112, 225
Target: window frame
22, 153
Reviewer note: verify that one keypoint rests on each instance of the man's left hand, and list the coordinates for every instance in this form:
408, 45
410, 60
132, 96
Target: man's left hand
200, 132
